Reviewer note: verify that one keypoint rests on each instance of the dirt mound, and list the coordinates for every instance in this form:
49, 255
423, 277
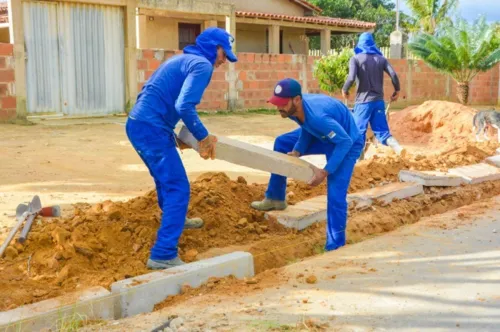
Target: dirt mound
433, 123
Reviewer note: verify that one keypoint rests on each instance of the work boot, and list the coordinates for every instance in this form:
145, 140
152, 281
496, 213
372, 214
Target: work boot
192, 223
393, 143
269, 205
164, 264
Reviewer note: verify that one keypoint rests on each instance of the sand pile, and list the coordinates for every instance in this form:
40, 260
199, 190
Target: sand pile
111, 241
433, 123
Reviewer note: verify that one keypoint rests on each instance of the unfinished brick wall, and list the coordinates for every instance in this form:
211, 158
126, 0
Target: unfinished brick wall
7, 81
255, 76
215, 96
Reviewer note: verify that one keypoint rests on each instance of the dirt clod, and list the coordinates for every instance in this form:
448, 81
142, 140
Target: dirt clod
312, 279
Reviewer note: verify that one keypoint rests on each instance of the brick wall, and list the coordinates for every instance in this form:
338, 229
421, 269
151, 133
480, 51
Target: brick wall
256, 75
215, 96
7, 81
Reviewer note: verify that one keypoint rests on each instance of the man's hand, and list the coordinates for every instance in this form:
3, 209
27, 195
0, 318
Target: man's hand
294, 153
181, 145
318, 176
345, 94
207, 147
395, 96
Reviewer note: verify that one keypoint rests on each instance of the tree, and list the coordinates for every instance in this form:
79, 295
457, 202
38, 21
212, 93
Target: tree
380, 12
332, 70
430, 14
461, 50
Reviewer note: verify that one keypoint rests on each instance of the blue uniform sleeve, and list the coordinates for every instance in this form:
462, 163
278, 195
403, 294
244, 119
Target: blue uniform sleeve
335, 134
192, 90
304, 141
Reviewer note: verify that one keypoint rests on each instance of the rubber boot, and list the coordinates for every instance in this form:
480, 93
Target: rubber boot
192, 223
164, 264
393, 143
269, 205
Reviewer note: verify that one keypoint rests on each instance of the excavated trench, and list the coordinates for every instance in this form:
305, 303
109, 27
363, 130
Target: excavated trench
110, 241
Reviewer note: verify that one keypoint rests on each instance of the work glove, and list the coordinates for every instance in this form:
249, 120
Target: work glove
207, 147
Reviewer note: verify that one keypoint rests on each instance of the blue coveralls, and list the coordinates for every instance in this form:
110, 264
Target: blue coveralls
329, 129
171, 94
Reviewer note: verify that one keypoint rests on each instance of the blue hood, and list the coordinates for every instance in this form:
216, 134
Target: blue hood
207, 42
366, 45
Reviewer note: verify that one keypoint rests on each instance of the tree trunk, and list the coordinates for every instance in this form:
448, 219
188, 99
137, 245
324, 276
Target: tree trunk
463, 92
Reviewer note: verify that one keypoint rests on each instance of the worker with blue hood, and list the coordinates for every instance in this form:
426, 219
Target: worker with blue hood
170, 95
367, 68
327, 127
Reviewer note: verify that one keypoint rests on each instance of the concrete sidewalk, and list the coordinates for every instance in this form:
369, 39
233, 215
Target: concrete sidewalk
440, 274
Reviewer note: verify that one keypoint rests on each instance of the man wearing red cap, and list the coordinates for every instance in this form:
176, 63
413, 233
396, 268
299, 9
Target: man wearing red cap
326, 127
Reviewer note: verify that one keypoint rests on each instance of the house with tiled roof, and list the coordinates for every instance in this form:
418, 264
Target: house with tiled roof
92, 57
262, 26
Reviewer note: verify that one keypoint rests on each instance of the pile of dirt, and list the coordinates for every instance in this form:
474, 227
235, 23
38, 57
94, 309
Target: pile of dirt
111, 241
433, 123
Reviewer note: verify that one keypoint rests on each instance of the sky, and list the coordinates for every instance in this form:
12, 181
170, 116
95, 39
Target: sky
470, 9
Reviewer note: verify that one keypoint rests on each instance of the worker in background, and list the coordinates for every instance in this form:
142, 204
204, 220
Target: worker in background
170, 95
326, 127
367, 67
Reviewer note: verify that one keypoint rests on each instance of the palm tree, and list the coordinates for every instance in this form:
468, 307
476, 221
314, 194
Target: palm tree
461, 51
431, 13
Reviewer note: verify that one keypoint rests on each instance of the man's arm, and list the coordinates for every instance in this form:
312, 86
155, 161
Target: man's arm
191, 93
353, 73
303, 143
338, 136
394, 77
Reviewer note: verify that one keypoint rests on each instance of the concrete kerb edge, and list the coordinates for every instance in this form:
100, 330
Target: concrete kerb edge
109, 296
123, 288
67, 310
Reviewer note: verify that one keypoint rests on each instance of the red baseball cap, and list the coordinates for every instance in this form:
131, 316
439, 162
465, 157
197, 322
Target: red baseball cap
284, 91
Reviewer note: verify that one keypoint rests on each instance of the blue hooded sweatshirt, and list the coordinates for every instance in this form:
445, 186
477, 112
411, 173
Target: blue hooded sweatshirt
366, 44
177, 86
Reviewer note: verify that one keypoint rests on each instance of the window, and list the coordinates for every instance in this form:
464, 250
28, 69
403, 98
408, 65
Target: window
188, 33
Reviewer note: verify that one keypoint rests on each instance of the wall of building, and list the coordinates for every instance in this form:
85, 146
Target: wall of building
251, 38
286, 7
7, 81
258, 73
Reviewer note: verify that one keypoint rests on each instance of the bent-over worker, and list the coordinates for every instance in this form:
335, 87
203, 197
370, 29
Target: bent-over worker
326, 127
170, 95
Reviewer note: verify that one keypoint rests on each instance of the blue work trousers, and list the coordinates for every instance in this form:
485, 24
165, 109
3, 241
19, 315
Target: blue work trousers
373, 113
338, 183
157, 149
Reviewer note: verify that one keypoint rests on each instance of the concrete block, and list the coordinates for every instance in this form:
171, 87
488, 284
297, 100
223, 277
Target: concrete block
256, 157
140, 294
386, 193
431, 178
477, 173
90, 304
494, 160
302, 214
308, 212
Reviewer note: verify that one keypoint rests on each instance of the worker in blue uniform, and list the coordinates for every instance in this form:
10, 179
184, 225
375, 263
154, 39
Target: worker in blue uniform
367, 68
170, 95
326, 127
